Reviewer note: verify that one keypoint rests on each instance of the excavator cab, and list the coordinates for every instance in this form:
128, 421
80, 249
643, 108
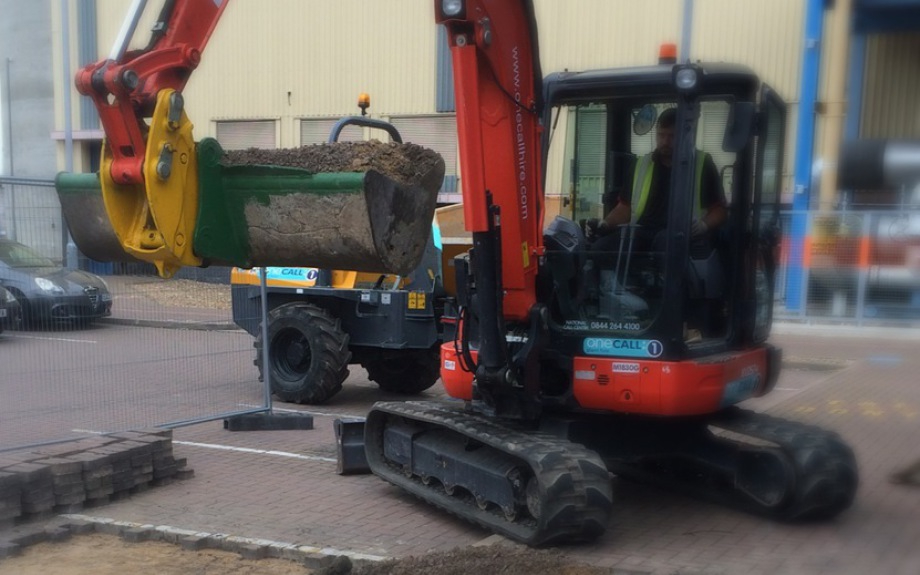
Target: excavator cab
654, 280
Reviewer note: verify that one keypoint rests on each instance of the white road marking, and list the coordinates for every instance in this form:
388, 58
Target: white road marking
89, 341
223, 538
256, 451
232, 448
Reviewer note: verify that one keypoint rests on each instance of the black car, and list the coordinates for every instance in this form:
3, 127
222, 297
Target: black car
49, 294
9, 310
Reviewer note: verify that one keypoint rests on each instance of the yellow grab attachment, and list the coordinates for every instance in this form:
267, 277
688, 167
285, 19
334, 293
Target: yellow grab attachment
155, 222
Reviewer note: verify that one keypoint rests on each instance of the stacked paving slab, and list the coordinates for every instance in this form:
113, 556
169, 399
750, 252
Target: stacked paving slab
64, 478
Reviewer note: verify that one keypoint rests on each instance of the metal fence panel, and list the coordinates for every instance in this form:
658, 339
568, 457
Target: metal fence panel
856, 266
30, 213
169, 354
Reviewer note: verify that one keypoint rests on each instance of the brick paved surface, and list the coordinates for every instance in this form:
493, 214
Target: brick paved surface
874, 402
865, 384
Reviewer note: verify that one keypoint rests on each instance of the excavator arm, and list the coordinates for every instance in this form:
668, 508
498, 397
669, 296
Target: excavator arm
125, 86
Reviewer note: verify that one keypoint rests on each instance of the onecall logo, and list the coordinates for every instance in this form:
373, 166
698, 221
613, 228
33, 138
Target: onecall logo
623, 347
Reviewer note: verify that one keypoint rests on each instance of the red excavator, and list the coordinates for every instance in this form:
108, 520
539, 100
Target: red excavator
576, 350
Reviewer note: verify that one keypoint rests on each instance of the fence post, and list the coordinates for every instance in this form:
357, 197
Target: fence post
266, 366
70, 250
13, 231
863, 267
808, 228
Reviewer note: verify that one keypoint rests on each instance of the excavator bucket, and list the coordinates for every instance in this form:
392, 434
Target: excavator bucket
276, 215
285, 216
86, 216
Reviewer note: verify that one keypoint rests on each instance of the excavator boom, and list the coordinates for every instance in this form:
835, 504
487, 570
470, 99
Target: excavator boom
498, 91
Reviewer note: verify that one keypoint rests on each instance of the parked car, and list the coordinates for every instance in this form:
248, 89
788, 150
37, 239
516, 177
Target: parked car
49, 294
9, 310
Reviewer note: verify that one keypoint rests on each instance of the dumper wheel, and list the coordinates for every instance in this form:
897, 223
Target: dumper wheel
407, 372
307, 352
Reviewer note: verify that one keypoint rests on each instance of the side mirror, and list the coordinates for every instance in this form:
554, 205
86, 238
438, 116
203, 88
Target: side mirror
644, 119
740, 126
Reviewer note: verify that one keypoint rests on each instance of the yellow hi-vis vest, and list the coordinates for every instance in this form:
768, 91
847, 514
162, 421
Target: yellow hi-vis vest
642, 185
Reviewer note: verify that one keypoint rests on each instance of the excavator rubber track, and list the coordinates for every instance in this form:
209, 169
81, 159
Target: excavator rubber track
826, 477
757, 463
529, 486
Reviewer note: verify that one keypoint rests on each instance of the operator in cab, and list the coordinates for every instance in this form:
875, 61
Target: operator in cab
647, 201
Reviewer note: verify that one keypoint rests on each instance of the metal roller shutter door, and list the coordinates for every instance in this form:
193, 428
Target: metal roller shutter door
240, 135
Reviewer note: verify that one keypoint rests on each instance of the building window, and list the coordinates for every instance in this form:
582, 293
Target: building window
243, 134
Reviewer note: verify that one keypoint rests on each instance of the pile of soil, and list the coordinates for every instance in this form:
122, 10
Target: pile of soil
383, 230
405, 163
101, 554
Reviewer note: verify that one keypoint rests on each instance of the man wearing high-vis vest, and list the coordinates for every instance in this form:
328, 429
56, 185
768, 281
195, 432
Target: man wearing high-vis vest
646, 203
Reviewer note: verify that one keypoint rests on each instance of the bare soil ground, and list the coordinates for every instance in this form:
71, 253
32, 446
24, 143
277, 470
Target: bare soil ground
185, 293
494, 559
100, 554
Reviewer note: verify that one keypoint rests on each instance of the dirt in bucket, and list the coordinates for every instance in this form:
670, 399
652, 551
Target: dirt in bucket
405, 163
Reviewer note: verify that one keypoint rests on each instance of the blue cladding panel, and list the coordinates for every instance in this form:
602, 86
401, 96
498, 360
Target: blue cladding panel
811, 59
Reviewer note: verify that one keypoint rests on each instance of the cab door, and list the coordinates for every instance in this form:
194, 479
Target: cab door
768, 178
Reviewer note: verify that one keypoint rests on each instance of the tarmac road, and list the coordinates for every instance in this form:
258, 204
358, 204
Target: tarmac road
112, 377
